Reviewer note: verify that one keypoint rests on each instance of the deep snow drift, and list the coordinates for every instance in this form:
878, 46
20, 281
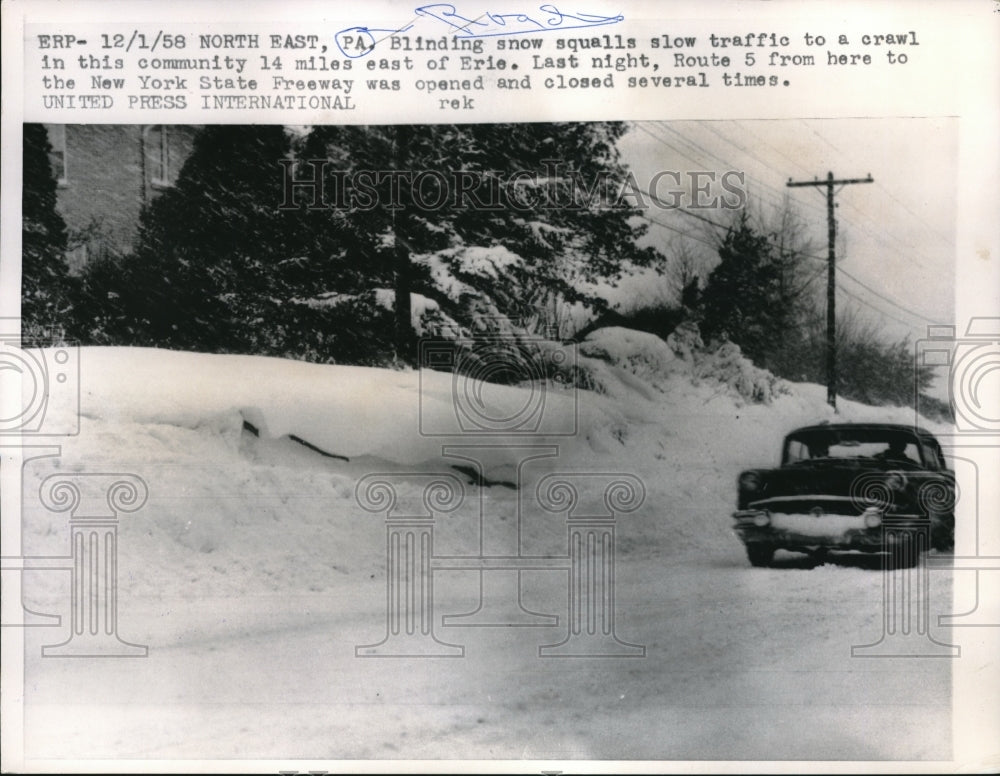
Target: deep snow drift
252, 573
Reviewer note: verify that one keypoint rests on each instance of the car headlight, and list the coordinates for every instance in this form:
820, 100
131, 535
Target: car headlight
873, 518
749, 481
762, 519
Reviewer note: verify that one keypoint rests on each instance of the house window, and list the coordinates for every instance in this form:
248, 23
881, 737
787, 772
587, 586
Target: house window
157, 144
57, 154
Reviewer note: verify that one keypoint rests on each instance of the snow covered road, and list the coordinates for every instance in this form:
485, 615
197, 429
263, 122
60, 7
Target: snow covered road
252, 575
740, 664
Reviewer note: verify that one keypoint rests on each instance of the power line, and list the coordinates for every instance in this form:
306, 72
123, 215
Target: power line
885, 298
704, 219
877, 233
778, 199
812, 278
812, 256
781, 196
868, 304
681, 232
919, 219
661, 140
821, 137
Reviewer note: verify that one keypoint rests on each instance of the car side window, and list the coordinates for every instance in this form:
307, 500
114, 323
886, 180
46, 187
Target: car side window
934, 455
795, 451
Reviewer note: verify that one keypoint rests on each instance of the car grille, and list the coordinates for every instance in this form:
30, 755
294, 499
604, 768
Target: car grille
805, 504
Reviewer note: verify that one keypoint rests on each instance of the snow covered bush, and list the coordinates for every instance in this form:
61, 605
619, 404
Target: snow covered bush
615, 360
644, 355
484, 287
685, 341
728, 366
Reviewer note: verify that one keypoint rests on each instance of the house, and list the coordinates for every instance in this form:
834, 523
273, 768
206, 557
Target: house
105, 173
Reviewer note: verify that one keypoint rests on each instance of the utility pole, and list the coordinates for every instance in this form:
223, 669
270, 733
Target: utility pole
831, 277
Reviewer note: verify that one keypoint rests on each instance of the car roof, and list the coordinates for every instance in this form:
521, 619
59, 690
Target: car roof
899, 427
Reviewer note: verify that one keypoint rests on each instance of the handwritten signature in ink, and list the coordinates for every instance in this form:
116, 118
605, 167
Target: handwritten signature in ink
356, 42
493, 24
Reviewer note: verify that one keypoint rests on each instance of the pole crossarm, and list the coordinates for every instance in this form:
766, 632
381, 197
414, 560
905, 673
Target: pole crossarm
827, 182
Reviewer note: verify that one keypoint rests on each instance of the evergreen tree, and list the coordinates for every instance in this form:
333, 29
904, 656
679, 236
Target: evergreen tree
742, 300
756, 297
224, 263
216, 257
567, 222
45, 281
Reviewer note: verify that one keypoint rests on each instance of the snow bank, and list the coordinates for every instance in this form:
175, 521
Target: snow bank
616, 354
644, 355
686, 437
399, 416
253, 574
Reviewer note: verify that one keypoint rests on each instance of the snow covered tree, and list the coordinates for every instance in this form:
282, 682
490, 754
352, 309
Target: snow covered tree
759, 293
741, 301
472, 224
506, 224
760, 297
45, 282
217, 238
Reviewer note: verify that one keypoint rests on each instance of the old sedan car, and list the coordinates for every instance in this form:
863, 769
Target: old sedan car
872, 487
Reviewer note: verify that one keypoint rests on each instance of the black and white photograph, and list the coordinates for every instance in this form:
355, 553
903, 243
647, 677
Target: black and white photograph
541, 444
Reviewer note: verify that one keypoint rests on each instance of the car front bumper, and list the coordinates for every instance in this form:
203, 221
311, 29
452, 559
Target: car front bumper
870, 531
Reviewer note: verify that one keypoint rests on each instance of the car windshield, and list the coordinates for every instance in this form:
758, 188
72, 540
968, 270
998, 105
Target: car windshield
890, 446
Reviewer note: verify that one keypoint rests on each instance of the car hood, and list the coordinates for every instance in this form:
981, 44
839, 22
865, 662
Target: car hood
813, 478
